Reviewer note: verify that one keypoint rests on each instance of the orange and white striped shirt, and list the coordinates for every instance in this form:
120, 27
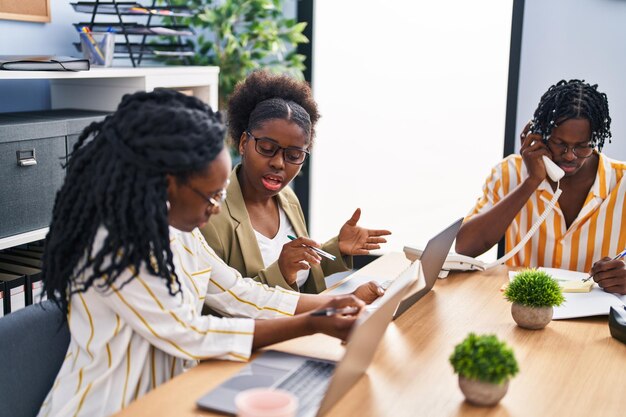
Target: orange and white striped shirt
598, 230
130, 339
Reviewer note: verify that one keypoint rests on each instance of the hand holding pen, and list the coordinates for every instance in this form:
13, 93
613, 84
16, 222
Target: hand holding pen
336, 317
316, 250
297, 255
610, 273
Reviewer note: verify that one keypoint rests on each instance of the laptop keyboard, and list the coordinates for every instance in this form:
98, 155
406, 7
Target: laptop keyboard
308, 383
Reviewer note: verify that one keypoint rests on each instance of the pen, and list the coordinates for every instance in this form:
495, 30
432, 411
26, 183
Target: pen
618, 256
332, 311
94, 44
316, 250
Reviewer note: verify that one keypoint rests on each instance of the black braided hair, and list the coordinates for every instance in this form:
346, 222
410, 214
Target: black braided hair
116, 178
263, 96
574, 99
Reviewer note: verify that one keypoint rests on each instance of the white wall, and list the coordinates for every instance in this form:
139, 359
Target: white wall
413, 100
584, 39
29, 38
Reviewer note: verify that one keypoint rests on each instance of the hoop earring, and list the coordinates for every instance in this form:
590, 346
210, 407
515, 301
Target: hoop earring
167, 205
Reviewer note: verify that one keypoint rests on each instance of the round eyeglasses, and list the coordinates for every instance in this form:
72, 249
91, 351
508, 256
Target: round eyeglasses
580, 151
269, 148
214, 199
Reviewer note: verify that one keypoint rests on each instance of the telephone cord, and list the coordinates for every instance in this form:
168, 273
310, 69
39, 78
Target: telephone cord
531, 232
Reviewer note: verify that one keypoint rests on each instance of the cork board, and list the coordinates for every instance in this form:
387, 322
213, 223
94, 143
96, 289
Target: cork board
28, 10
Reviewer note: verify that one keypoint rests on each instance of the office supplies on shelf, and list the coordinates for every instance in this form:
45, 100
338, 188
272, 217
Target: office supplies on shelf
42, 63
161, 24
317, 250
618, 256
595, 302
91, 49
98, 47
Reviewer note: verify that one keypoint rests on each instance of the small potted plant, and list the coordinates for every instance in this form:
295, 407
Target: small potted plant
533, 293
485, 365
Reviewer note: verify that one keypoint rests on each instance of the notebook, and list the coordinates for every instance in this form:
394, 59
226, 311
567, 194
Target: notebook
42, 63
318, 384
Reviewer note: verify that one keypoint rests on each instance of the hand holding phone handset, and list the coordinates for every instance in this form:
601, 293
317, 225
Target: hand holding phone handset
555, 173
457, 262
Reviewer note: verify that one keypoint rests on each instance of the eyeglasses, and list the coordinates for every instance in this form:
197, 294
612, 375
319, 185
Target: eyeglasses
269, 148
214, 199
580, 151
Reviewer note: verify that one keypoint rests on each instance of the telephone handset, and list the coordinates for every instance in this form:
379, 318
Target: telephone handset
457, 262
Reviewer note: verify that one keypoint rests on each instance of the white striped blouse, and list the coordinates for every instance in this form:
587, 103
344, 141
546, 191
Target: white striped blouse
598, 231
128, 340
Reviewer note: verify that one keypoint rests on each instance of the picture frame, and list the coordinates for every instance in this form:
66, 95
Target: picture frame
26, 10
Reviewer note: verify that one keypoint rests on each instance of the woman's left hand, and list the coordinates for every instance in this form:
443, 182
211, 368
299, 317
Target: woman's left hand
356, 240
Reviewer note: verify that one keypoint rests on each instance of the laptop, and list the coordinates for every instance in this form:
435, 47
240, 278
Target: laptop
318, 384
432, 260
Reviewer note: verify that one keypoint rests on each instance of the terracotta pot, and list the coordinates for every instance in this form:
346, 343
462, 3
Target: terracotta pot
532, 318
482, 393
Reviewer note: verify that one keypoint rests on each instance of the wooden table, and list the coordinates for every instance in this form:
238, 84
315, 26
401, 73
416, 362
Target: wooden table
571, 368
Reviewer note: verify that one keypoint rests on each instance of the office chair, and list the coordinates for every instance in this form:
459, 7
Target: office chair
33, 344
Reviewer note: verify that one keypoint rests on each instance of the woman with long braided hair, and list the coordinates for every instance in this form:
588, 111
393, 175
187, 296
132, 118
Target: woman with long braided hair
126, 263
570, 126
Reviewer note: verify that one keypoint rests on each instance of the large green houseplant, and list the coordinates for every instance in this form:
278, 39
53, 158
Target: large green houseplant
533, 293
484, 365
240, 36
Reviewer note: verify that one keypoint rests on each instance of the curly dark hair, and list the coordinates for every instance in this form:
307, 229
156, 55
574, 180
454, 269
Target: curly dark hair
574, 99
116, 179
263, 96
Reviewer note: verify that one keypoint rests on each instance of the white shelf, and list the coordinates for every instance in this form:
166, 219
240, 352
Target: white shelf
113, 72
22, 238
103, 88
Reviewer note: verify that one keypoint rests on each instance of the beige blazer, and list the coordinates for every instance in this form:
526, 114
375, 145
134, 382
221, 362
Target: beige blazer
231, 236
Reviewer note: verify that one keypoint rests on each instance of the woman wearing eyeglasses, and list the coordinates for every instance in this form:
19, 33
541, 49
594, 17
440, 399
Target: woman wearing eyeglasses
129, 269
271, 121
586, 229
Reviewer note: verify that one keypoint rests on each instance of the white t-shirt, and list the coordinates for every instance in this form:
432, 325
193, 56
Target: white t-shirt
271, 248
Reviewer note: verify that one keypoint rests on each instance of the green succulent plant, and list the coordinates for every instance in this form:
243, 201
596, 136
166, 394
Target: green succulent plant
484, 358
534, 288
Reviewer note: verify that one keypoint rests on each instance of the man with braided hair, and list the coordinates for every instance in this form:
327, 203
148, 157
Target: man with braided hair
569, 126
126, 263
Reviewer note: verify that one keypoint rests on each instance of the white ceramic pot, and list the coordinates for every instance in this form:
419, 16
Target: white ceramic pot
482, 393
532, 318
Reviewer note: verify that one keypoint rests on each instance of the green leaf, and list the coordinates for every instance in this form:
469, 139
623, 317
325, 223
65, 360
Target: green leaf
484, 358
534, 288
242, 35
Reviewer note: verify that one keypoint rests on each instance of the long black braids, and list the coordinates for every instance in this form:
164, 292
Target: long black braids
574, 99
263, 96
116, 179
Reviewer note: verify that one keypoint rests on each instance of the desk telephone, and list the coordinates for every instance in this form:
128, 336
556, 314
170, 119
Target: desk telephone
456, 262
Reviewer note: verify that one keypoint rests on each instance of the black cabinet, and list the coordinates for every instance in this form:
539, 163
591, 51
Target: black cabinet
33, 149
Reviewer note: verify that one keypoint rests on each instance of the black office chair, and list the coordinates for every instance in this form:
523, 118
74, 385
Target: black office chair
33, 344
